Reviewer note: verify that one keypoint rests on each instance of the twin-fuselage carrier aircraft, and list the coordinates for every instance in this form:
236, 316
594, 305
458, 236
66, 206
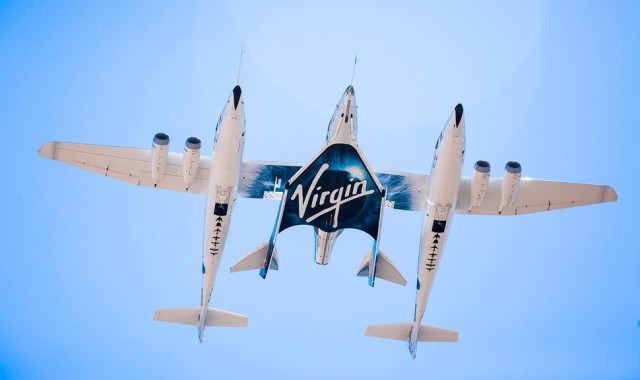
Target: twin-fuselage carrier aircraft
336, 189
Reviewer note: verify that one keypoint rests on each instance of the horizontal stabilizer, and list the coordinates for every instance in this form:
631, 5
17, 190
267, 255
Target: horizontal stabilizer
402, 331
256, 259
190, 315
385, 269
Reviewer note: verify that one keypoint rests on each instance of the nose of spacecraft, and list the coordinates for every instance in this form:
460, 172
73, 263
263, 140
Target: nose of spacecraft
348, 99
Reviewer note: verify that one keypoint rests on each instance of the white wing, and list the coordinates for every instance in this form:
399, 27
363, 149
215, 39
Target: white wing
131, 165
534, 196
260, 179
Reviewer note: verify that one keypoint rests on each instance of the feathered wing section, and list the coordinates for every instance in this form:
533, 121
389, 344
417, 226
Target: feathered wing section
534, 196
131, 165
405, 191
266, 180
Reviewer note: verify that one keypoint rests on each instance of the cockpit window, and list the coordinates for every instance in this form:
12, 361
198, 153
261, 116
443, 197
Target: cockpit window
439, 139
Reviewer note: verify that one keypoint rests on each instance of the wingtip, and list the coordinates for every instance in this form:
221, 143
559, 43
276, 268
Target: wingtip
47, 150
609, 194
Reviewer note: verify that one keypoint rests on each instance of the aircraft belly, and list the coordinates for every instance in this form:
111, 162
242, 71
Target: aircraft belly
431, 250
223, 183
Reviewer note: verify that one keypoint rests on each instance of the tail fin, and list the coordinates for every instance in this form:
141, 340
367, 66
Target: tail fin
190, 315
384, 269
402, 331
256, 259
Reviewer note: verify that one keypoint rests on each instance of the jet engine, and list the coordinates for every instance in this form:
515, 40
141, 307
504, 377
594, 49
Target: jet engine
191, 160
510, 183
479, 182
159, 156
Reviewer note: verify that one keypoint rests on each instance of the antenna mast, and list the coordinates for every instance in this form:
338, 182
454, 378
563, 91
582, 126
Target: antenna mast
240, 65
353, 73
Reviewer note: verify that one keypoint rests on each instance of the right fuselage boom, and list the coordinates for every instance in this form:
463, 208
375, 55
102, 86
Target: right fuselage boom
445, 177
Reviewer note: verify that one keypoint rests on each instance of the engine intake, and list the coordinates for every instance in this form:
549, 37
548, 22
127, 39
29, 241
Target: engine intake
159, 156
510, 184
191, 160
479, 183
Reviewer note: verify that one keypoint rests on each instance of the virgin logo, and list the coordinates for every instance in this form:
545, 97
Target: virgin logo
315, 198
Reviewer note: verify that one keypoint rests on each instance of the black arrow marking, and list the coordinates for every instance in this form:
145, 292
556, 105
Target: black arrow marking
219, 219
436, 236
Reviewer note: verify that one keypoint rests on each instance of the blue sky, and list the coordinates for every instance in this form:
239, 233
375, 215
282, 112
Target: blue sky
86, 259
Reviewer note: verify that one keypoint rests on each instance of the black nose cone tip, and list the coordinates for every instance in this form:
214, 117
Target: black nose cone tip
458, 113
350, 90
237, 91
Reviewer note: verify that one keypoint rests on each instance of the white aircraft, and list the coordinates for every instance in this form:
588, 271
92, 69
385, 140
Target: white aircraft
226, 176
448, 193
187, 172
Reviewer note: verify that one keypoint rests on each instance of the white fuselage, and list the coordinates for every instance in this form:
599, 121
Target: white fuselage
343, 128
441, 202
223, 183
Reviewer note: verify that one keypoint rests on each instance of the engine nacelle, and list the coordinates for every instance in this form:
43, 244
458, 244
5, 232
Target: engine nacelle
479, 183
159, 156
510, 183
191, 160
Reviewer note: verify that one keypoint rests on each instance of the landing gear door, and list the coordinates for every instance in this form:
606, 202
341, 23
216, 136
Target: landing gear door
442, 212
222, 202
440, 219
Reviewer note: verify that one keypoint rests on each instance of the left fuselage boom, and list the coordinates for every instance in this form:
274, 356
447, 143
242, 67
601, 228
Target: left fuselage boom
223, 182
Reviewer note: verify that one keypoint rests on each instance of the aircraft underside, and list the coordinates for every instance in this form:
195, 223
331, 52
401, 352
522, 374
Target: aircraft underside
335, 189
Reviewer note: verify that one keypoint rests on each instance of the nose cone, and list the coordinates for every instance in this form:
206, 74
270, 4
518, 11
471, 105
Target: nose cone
350, 90
237, 93
348, 100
